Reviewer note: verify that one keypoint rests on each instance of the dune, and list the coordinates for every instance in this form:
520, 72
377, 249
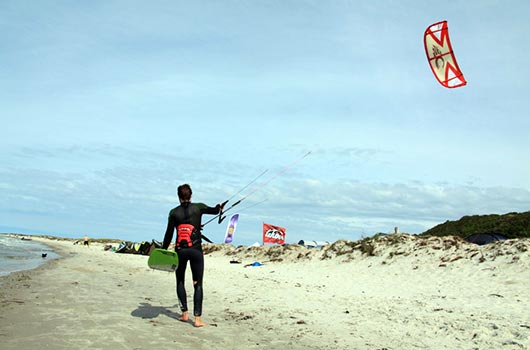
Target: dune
394, 292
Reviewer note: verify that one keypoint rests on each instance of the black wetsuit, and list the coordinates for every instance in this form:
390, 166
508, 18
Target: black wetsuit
189, 213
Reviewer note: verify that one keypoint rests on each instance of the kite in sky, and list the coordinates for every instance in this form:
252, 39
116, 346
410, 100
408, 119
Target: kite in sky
441, 56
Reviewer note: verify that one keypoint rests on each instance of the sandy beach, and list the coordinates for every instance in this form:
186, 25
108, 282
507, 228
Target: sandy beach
399, 292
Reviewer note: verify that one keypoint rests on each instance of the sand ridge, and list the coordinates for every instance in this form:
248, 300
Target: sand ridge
396, 292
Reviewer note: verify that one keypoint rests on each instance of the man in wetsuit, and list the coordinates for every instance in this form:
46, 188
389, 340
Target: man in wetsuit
186, 219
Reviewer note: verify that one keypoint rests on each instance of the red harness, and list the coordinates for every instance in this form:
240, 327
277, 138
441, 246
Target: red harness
184, 232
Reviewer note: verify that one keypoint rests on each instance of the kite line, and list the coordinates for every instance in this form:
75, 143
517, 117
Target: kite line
256, 189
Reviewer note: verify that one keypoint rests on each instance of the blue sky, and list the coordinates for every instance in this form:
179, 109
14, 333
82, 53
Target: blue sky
107, 106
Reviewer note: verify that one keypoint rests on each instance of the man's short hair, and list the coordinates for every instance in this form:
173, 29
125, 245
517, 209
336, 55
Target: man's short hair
184, 192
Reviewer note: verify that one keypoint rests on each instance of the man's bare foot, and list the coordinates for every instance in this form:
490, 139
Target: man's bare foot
184, 317
198, 322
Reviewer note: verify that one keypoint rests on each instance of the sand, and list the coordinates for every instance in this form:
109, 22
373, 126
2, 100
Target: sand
399, 292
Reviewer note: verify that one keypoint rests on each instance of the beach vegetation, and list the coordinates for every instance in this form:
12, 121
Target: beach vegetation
367, 247
510, 225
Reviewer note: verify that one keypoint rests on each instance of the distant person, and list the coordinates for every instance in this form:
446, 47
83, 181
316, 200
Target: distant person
186, 219
85, 241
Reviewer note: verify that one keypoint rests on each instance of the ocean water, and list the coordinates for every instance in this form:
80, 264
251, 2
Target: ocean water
18, 255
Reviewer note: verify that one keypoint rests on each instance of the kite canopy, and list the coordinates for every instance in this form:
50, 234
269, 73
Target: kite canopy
485, 238
313, 244
441, 56
231, 228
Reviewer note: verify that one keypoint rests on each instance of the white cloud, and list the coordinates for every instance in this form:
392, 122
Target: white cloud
128, 192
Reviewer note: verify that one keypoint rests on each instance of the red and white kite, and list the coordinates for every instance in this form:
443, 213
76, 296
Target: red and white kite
441, 56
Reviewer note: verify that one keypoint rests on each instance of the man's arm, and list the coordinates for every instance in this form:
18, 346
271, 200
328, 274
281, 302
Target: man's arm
169, 232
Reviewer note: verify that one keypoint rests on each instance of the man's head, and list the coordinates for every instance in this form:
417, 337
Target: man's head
184, 192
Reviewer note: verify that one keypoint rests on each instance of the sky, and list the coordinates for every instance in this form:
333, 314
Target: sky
108, 106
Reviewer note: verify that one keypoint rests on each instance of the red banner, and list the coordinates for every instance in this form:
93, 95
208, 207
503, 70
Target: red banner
273, 234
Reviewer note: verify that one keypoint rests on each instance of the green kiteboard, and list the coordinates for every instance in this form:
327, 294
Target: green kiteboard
163, 260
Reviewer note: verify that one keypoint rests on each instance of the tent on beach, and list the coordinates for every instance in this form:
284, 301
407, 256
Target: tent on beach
485, 238
313, 244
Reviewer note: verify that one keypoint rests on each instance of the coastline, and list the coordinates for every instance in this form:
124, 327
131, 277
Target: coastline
407, 294
21, 253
